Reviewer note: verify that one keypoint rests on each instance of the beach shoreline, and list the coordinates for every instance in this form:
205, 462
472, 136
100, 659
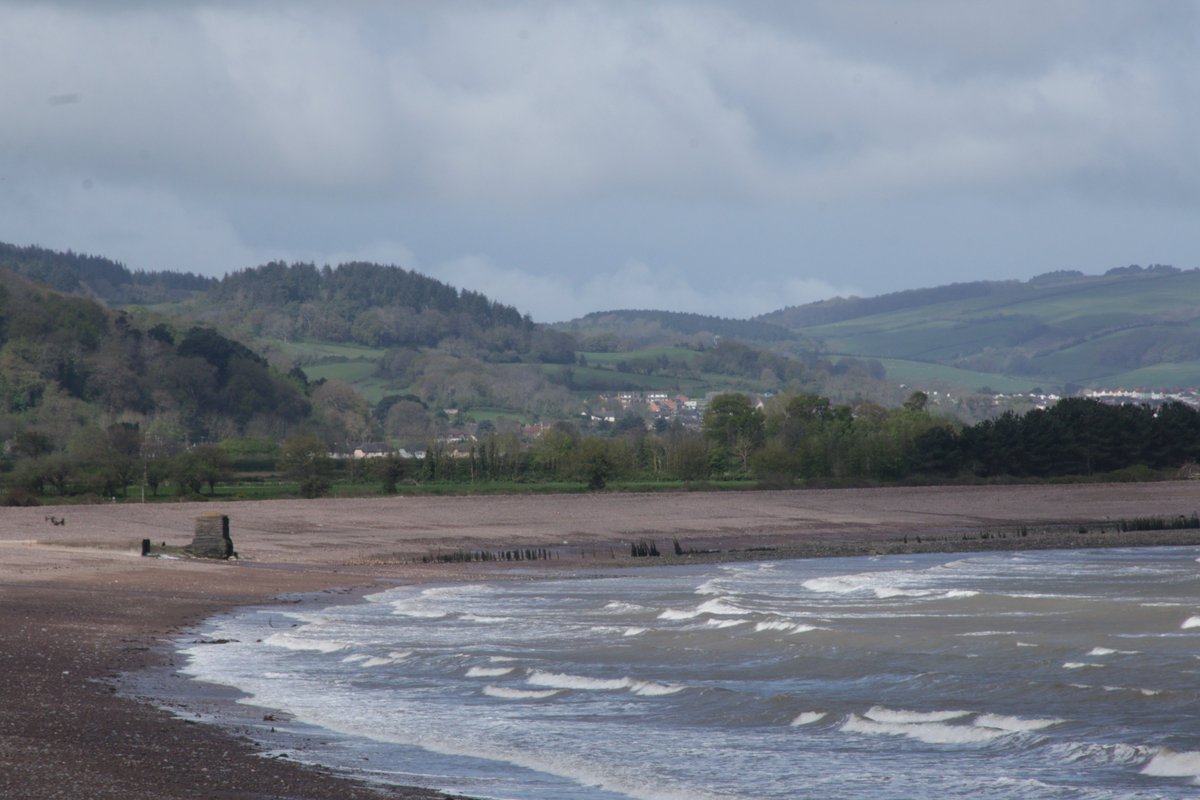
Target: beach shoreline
83, 608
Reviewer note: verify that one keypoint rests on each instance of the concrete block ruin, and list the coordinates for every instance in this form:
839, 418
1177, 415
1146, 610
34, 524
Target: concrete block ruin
211, 539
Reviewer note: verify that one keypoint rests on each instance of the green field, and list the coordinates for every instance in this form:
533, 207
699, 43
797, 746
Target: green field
926, 375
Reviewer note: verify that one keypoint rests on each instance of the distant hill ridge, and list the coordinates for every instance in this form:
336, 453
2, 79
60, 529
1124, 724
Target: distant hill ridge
838, 309
683, 323
1132, 327
98, 277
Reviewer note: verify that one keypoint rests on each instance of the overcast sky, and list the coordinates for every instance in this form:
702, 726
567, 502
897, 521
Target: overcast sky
726, 158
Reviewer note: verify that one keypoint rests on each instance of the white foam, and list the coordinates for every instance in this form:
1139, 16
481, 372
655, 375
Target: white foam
1027, 644
808, 718
709, 587
891, 715
1144, 692
1191, 622
1080, 665
844, 584
781, 625
883, 585
1170, 764
990, 633
888, 592
418, 613
623, 608
634, 631
378, 661
290, 642
724, 623
350, 659
672, 614
485, 619
1014, 724
722, 606
651, 689
399, 655
558, 680
1108, 651
928, 732
505, 693
488, 672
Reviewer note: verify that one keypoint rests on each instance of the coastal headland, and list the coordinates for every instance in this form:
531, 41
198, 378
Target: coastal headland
81, 606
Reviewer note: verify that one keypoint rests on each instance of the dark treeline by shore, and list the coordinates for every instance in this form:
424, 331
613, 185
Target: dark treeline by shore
803, 439
787, 440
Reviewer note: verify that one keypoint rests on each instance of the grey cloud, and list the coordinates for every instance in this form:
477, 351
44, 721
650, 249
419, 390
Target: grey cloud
475, 137
553, 101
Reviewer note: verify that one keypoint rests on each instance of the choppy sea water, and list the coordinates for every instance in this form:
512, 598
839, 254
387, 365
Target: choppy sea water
1049, 674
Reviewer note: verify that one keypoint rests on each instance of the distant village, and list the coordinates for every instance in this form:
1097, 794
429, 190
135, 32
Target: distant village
661, 410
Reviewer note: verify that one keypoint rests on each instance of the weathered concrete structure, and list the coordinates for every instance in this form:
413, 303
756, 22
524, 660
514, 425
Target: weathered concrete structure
211, 539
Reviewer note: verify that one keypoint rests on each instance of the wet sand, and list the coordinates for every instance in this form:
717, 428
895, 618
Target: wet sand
81, 607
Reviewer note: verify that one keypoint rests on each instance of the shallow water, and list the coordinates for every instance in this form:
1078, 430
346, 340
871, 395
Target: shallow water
1047, 674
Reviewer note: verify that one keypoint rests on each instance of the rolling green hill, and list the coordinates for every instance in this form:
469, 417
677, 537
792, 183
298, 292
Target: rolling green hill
1131, 327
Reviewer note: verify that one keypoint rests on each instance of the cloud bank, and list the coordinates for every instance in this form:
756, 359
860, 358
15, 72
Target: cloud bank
476, 137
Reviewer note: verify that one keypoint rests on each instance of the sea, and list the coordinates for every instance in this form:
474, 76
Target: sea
1043, 674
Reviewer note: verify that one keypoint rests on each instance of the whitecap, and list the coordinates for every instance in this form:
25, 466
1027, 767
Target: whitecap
623, 607
488, 672
505, 693
1108, 651
378, 661
888, 592
844, 584
990, 633
1171, 764
558, 680
1014, 724
633, 631
350, 659
722, 606
724, 623
1143, 692
651, 689
957, 593
1191, 622
484, 619
672, 614
781, 625
882, 714
928, 732
808, 718
1079, 665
